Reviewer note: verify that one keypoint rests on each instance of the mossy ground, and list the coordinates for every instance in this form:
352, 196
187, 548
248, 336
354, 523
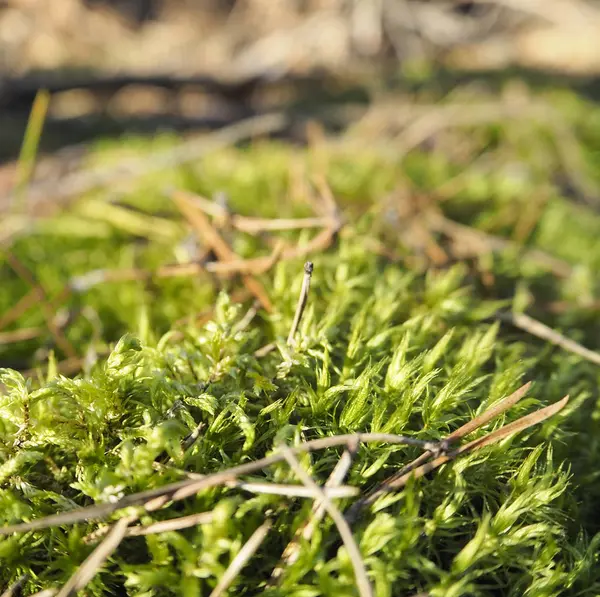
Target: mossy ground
386, 345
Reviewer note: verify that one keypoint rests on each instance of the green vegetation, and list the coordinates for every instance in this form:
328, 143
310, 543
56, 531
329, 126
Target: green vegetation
392, 341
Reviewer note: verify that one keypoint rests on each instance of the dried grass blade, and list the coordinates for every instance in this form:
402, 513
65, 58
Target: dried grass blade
491, 438
362, 580
90, 566
241, 559
485, 417
152, 499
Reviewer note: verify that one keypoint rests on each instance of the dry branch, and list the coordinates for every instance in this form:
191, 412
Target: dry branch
153, 499
212, 238
292, 551
362, 580
540, 330
90, 567
241, 559
484, 418
302, 299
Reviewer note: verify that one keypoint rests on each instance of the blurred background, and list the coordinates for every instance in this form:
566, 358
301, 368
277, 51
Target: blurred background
142, 65
485, 108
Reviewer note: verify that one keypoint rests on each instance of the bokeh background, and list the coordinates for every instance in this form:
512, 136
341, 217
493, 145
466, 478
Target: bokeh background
119, 65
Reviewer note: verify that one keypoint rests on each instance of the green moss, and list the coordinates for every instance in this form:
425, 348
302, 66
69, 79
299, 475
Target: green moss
384, 346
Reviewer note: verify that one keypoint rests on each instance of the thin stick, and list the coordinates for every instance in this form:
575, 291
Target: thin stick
213, 239
163, 526
90, 566
257, 225
292, 551
45, 593
191, 439
254, 225
243, 323
487, 440
540, 330
15, 589
478, 242
60, 339
23, 305
484, 418
263, 351
319, 242
287, 490
242, 558
362, 580
153, 499
308, 270
293, 490
20, 335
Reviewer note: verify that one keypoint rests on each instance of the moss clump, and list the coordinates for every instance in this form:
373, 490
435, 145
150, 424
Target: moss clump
385, 346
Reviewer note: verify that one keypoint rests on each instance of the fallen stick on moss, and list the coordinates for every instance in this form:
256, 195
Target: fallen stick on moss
469, 241
392, 482
48, 311
537, 328
252, 225
241, 559
292, 551
419, 468
153, 499
90, 566
162, 526
302, 300
213, 240
362, 580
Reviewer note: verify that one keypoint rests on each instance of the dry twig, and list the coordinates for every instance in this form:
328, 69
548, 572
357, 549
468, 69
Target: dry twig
153, 499
540, 330
362, 580
90, 567
241, 559
292, 551
162, 526
212, 238
484, 418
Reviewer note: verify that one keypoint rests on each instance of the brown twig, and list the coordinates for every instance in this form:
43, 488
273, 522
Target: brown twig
90, 566
487, 440
292, 551
212, 238
362, 580
469, 240
23, 305
241, 559
47, 308
537, 328
153, 499
20, 335
475, 423
162, 526
251, 225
